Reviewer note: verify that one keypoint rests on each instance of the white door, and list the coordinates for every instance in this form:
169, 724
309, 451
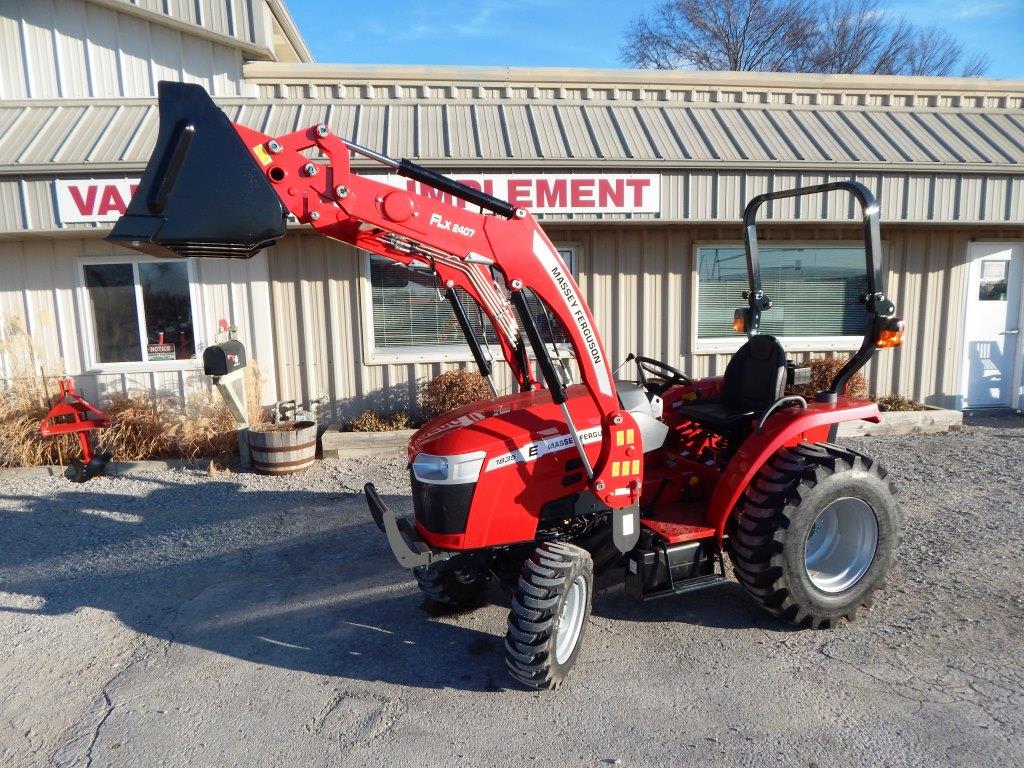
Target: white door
992, 333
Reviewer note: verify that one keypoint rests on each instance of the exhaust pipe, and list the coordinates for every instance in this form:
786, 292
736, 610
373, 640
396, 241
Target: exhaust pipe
202, 194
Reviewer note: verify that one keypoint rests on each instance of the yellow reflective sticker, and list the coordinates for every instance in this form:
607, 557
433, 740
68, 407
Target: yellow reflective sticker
636, 466
261, 152
620, 438
630, 436
615, 469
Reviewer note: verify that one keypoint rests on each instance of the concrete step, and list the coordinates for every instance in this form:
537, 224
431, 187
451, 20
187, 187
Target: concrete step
358, 445
930, 420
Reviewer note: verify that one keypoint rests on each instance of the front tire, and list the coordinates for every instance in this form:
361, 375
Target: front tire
550, 607
816, 534
452, 587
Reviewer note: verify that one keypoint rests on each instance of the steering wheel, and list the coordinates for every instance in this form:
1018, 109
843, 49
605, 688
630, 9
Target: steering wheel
648, 365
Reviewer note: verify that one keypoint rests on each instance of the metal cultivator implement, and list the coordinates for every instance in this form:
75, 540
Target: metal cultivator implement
73, 414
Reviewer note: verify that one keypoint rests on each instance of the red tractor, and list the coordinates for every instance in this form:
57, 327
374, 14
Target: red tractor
541, 489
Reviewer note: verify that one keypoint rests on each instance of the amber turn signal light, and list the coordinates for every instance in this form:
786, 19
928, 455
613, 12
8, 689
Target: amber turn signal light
891, 335
739, 320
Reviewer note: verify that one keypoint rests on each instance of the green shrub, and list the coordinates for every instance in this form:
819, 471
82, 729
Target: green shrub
451, 390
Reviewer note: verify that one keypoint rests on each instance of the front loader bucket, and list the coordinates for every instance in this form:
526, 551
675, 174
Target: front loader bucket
202, 193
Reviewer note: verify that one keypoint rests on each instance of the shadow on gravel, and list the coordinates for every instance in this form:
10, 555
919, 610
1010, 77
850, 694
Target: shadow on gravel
724, 606
225, 573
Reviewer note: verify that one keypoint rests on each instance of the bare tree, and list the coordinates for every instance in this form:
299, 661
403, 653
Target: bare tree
829, 36
934, 52
854, 36
720, 35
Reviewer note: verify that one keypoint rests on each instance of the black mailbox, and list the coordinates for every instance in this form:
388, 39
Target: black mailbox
224, 358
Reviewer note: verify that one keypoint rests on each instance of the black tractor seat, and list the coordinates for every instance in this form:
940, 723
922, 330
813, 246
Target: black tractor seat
754, 379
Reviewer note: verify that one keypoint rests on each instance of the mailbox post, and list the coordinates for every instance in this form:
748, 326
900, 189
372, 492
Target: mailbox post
226, 362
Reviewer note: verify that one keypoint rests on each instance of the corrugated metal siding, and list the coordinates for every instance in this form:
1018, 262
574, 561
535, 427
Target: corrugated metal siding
73, 49
244, 20
317, 325
822, 138
39, 291
729, 136
638, 282
945, 164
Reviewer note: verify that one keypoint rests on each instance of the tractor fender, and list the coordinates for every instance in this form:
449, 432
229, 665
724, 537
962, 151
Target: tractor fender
812, 424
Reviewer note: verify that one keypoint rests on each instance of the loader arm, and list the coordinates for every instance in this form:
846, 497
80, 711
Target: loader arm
192, 174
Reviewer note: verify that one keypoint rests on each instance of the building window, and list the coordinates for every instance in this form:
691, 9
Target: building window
816, 290
411, 316
141, 311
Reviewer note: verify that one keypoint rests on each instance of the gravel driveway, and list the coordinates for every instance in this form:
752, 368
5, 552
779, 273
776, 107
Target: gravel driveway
177, 619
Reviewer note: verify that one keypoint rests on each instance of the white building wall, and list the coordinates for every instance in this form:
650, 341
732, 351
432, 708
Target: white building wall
40, 292
639, 283
75, 49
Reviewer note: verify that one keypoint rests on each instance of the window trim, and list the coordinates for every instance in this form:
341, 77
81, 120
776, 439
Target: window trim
731, 344
441, 353
91, 363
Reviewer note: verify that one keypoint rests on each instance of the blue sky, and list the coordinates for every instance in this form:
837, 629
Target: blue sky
575, 33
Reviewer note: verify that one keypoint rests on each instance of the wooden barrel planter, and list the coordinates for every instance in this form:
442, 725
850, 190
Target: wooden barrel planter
281, 449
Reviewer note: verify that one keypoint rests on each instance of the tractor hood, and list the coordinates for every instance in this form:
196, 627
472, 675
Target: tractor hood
504, 424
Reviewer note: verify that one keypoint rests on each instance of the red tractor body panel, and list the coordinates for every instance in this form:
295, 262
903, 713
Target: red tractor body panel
530, 460
812, 424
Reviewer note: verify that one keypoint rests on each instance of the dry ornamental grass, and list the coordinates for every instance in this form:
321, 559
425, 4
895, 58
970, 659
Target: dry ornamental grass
143, 425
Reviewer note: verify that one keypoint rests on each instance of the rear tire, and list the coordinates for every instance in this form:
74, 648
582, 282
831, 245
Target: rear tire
816, 534
451, 586
550, 607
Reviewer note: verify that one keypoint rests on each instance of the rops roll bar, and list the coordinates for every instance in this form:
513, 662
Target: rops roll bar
882, 326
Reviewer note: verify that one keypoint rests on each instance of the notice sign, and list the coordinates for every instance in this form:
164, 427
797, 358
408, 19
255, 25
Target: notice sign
556, 193
160, 352
93, 201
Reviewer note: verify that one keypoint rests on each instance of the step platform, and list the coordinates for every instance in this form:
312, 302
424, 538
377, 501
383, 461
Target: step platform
678, 523
677, 553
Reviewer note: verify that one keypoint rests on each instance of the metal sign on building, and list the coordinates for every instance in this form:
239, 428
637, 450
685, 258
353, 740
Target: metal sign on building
96, 201
89, 201
558, 192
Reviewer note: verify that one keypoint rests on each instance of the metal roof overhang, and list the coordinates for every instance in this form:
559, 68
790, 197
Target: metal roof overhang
959, 160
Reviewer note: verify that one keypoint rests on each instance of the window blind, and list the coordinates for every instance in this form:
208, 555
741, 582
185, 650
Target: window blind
816, 290
409, 310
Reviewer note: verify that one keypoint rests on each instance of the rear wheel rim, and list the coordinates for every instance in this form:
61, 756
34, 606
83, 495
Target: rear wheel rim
841, 544
570, 620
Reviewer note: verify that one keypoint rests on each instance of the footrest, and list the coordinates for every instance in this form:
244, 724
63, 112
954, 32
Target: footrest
678, 523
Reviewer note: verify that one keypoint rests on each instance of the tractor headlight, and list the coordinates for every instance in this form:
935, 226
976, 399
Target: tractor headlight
429, 468
462, 468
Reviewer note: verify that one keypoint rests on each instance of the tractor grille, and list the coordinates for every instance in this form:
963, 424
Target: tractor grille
441, 508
